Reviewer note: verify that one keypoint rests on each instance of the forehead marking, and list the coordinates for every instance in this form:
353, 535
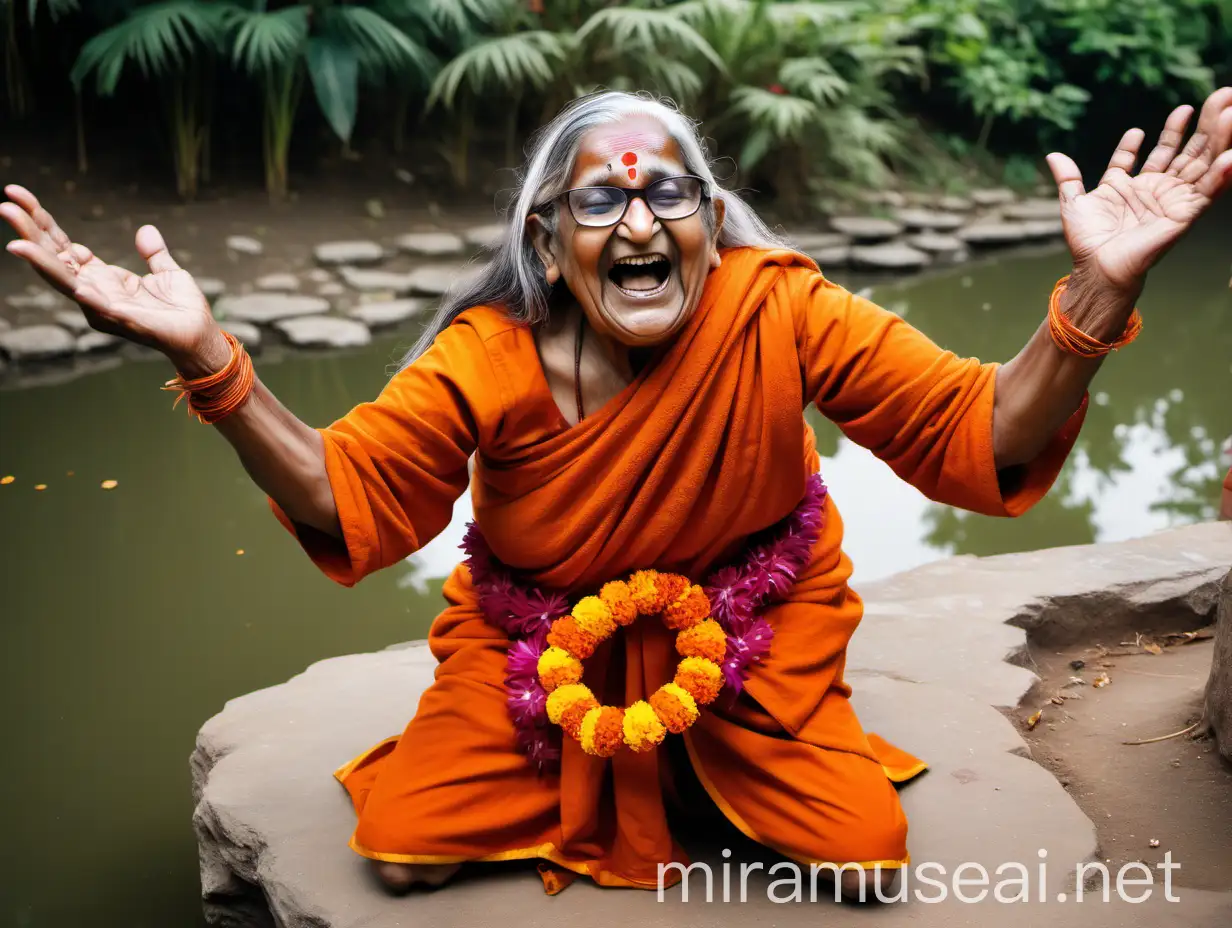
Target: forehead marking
628, 159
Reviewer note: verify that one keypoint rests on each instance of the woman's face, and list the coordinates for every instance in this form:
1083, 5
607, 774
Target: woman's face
639, 280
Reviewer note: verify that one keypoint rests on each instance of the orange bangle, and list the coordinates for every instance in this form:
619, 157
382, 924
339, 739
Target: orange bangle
217, 395
1070, 338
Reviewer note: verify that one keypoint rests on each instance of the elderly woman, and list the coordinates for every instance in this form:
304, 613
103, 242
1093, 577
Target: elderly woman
629, 374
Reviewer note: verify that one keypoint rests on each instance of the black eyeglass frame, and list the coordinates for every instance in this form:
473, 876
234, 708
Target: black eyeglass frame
630, 194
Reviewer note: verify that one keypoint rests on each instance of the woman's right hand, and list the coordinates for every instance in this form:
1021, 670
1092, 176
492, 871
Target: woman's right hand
164, 309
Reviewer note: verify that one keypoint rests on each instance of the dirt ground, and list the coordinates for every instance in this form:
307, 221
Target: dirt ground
1145, 799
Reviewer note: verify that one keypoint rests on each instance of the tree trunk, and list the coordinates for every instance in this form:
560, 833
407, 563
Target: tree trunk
1217, 718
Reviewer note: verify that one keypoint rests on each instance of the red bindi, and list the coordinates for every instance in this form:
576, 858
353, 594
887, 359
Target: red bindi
628, 159
632, 174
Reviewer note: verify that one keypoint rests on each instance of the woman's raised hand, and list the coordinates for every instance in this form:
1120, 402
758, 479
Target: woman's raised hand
1117, 231
163, 309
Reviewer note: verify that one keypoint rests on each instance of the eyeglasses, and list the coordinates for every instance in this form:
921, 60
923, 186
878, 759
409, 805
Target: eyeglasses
676, 197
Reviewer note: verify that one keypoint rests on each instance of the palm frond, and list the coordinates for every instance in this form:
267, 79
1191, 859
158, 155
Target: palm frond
505, 62
376, 39
813, 78
813, 14
333, 67
673, 78
786, 116
647, 31
156, 37
55, 8
459, 18
267, 40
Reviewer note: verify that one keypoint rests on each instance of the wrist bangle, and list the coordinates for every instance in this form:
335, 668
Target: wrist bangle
217, 395
1071, 339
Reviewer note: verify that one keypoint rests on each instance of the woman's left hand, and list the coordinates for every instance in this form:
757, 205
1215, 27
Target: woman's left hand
1117, 231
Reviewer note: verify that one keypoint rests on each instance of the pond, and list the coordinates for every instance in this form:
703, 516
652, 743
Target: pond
131, 615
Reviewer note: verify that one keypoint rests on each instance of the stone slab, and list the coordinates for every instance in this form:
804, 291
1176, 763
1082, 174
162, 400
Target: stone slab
486, 236
930, 220
38, 299
368, 279
387, 312
72, 319
936, 243
890, 256
435, 280
1217, 699
808, 242
278, 283
90, 342
211, 287
37, 343
866, 229
349, 252
1033, 209
267, 308
248, 334
991, 234
997, 196
244, 245
431, 244
324, 332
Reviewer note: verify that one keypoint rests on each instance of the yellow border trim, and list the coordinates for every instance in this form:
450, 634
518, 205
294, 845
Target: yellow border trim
349, 767
735, 818
902, 776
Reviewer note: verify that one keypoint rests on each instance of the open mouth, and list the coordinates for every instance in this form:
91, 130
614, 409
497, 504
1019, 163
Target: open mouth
641, 276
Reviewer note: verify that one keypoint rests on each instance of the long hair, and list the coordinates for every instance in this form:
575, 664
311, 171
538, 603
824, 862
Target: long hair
514, 278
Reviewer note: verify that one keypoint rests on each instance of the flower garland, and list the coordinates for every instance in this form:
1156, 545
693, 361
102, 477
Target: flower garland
737, 596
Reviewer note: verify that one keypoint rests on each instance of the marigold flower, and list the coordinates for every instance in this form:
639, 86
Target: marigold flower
642, 728
616, 597
566, 634
701, 678
705, 639
609, 731
558, 667
643, 590
675, 707
564, 697
688, 608
670, 587
573, 715
592, 615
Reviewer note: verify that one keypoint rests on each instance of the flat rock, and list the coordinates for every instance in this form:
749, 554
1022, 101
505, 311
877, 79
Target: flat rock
991, 234
866, 228
38, 299
278, 283
72, 319
1044, 228
997, 196
486, 236
97, 341
1033, 209
936, 243
369, 279
5, 325
835, 256
351, 252
324, 332
248, 334
431, 244
332, 288
954, 204
319, 275
1218, 699
884, 198
272, 824
387, 312
244, 245
808, 242
435, 279
37, 343
892, 256
266, 308
211, 287
930, 220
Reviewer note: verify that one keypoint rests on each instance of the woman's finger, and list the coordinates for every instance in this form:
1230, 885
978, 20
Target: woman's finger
153, 249
1170, 139
1065, 172
1200, 146
42, 219
21, 221
1218, 178
1125, 155
48, 265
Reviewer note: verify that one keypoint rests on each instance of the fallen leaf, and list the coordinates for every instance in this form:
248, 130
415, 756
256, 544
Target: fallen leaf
109, 484
1057, 700
40, 486
1154, 842
1034, 719
5, 481
1152, 648
239, 550
1075, 681
1102, 679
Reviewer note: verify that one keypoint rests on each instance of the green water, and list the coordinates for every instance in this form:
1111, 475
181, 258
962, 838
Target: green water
129, 618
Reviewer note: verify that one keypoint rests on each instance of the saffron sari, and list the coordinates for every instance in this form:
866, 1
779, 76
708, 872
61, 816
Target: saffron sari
707, 446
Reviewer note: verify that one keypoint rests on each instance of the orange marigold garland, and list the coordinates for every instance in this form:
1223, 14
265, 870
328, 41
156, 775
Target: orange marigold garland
719, 629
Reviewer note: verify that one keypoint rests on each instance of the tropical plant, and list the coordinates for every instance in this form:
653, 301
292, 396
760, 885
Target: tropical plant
334, 45
174, 44
16, 81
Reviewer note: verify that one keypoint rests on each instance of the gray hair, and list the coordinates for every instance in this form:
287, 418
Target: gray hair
514, 278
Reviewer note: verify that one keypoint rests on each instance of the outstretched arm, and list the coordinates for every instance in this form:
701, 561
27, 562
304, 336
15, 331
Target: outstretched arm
165, 310
1116, 233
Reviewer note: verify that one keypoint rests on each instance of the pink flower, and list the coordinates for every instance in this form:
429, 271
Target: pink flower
776, 88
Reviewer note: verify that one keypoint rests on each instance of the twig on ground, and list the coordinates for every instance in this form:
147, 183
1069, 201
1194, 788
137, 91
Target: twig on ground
1175, 734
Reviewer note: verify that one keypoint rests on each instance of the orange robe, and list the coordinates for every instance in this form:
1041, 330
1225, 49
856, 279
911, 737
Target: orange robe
705, 447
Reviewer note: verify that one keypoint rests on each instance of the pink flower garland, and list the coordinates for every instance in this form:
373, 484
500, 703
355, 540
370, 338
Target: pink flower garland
738, 595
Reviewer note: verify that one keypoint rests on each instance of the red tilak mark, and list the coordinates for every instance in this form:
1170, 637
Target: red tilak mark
632, 174
629, 159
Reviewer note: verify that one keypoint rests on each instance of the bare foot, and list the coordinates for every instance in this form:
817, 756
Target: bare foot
401, 877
